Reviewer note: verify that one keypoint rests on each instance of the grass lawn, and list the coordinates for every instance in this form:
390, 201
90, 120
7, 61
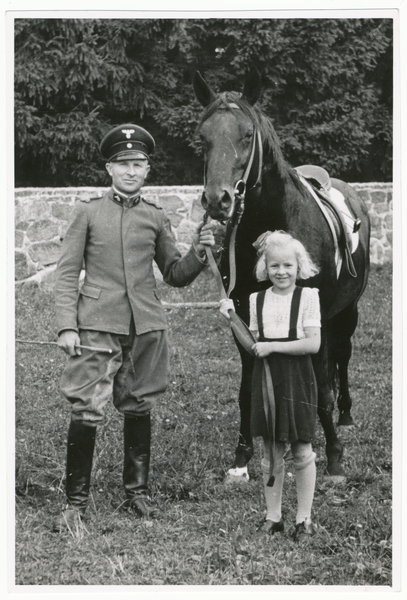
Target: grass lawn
207, 532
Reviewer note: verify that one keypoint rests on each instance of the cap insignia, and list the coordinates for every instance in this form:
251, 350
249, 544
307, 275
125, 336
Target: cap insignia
128, 132
129, 145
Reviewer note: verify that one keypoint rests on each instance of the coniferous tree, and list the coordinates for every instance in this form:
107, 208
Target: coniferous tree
327, 88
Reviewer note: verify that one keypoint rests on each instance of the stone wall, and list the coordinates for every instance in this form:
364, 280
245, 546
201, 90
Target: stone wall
41, 217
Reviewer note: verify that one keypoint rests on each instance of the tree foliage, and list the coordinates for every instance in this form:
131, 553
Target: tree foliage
327, 87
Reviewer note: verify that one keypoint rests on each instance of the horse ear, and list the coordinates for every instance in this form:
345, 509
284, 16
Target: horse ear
205, 95
252, 87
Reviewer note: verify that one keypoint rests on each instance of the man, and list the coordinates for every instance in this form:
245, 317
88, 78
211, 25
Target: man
117, 238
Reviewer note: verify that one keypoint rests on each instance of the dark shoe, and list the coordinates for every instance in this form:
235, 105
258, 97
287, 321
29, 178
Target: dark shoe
68, 520
271, 527
303, 531
143, 507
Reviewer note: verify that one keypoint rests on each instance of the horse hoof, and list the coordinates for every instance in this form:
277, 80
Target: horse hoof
345, 420
237, 476
334, 473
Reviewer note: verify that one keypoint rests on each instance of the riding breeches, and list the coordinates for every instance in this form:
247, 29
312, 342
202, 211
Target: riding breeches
135, 374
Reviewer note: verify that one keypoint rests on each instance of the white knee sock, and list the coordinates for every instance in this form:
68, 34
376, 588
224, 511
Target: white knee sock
305, 476
273, 494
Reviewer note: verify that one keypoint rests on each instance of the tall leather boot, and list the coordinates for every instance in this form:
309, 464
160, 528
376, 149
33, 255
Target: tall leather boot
80, 448
137, 439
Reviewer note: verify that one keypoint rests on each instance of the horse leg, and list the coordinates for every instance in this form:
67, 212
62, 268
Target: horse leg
344, 399
334, 447
343, 327
244, 450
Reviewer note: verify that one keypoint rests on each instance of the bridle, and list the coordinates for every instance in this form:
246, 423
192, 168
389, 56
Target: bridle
236, 217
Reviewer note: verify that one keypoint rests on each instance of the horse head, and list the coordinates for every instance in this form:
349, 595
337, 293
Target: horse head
230, 134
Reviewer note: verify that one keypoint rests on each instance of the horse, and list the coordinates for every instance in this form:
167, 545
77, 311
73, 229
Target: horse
243, 161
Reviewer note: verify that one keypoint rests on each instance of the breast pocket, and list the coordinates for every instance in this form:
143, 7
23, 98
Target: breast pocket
90, 291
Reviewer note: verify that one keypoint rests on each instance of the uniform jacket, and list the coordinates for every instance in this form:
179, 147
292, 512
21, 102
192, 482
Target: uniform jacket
117, 246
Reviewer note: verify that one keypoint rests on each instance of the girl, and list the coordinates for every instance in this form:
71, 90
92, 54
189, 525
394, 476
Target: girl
286, 321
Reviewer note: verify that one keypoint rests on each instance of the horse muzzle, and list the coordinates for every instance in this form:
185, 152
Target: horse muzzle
219, 207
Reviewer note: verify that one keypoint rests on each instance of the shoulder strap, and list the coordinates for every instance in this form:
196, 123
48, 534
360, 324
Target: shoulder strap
295, 308
152, 202
294, 311
87, 199
259, 309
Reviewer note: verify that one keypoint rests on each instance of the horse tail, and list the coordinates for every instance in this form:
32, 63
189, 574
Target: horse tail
332, 362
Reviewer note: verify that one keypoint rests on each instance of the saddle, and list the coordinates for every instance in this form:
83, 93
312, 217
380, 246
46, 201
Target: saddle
344, 225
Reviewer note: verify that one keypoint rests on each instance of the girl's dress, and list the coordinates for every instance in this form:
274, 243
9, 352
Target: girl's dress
283, 318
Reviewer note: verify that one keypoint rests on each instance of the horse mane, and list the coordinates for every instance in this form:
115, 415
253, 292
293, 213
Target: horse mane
271, 143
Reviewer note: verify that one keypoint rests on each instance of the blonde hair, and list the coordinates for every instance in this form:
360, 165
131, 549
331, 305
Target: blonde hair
269, 240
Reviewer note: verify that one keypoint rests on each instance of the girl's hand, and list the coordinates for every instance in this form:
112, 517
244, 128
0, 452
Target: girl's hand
225, 307
262, 349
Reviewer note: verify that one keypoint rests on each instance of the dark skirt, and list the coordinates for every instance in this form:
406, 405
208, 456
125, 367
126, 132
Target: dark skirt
296, 398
